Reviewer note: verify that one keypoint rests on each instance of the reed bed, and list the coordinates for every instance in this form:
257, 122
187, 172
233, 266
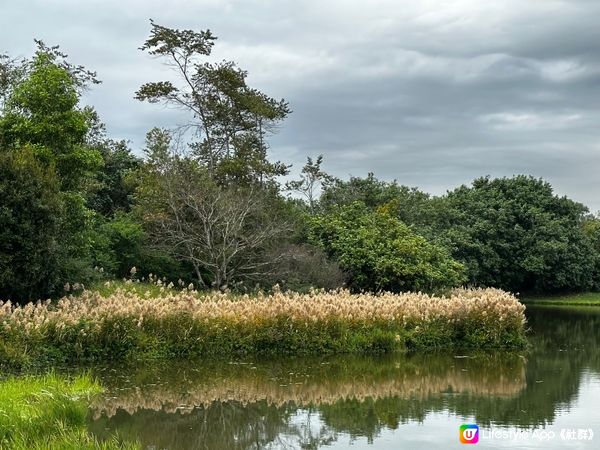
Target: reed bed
124, 324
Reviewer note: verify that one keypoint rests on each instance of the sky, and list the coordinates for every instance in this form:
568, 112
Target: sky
430, 93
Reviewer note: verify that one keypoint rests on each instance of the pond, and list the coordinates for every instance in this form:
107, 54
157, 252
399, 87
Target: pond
547, 397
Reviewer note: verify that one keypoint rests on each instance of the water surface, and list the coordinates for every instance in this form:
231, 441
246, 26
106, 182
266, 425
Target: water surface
404, 401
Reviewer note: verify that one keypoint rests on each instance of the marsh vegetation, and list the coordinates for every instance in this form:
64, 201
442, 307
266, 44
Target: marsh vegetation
332, 401
49, 412
182, 324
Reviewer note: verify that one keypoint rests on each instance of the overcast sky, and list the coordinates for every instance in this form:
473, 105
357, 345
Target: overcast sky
431, 93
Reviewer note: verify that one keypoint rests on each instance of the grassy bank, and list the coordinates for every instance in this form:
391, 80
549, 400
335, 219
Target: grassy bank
48, 412
582, 299
182, 324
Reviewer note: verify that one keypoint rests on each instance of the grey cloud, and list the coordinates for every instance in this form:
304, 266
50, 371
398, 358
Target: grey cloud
431, 93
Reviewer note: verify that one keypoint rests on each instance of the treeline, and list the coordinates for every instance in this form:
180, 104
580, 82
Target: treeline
205, 204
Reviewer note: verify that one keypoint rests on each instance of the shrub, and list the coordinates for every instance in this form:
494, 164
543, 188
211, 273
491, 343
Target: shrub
381, 253
301, 267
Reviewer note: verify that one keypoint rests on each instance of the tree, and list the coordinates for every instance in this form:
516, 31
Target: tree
591, 229
115, 186
312, 179
232, 119
408, 204
14, 71
41, 111
381, 253
30, 218
10, 72
515, 234
224, 232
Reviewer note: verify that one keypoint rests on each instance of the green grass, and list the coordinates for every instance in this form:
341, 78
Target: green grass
48, 412
583, 299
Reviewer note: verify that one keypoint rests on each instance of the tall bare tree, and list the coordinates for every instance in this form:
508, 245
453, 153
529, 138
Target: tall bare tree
225, 232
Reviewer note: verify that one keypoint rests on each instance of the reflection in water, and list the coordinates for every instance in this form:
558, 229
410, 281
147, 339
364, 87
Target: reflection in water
308, 403
307, 382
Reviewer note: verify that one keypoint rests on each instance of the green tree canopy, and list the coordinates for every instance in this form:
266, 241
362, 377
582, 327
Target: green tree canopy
231, 118
380, 252
409, 204
115, 183
516, 234
30, 218
42, 109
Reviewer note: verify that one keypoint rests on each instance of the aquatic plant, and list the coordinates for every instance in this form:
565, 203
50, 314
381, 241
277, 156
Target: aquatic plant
181, 323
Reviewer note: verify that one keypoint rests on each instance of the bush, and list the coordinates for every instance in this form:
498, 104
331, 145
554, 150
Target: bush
379, 252
301, 267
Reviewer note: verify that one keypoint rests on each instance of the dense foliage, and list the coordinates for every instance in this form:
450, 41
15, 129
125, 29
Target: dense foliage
380, 252
516, 234
206, 203
52, 161
409, 204
30, 217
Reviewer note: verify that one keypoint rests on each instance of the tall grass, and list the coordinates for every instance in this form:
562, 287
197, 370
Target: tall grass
48, 412
125, 324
